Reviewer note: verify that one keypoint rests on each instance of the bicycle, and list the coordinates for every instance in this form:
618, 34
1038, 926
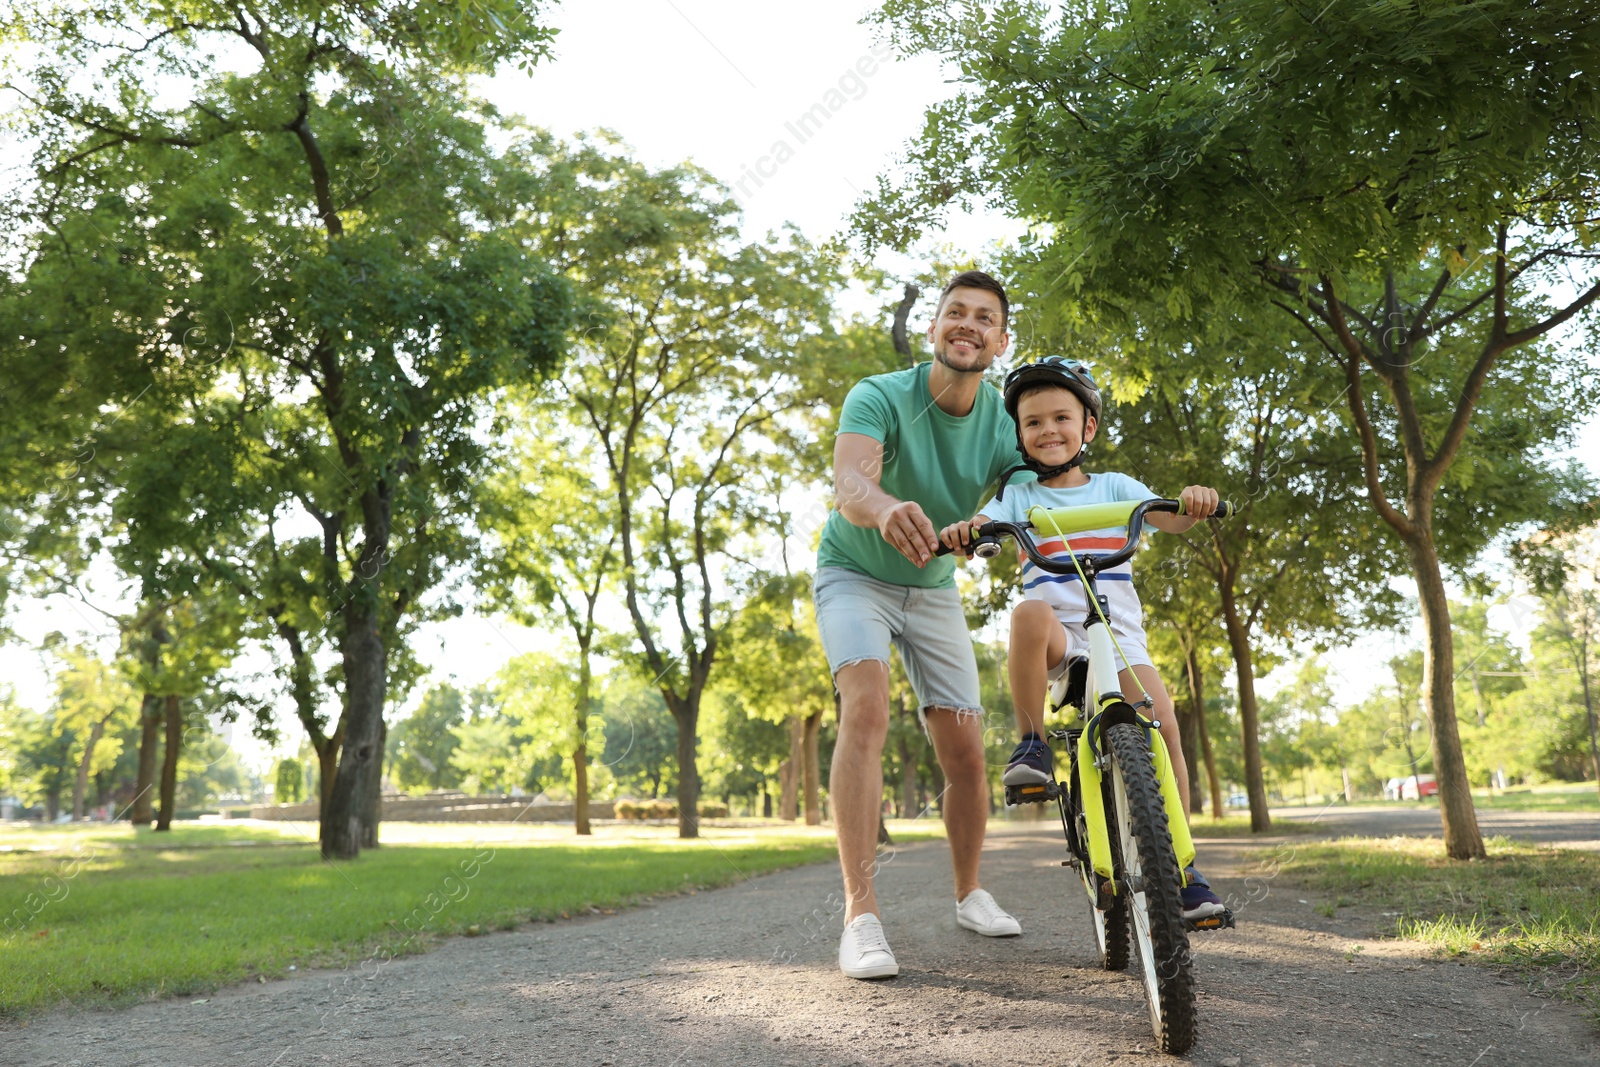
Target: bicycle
1123, 820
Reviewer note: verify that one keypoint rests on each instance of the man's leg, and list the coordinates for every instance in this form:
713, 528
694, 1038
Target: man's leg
856, 780
958, 744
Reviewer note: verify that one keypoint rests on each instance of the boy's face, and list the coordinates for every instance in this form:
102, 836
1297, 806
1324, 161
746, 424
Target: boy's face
1054, 425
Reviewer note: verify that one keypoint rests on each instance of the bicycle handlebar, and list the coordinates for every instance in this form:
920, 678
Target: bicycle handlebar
1092, 565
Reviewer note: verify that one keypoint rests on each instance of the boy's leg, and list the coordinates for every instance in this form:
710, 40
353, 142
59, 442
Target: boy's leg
856, 778
1160, 710
1038, 642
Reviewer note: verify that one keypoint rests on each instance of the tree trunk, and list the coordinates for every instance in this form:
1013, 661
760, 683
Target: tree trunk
80, 788
1249, 715
1588, 689
169, 764
789, 773
687, 716
1462, 840
812, 775
1213, 779
327, 771
144, 805
1189, 726
372, 792
580, 753
366, 678
908, 765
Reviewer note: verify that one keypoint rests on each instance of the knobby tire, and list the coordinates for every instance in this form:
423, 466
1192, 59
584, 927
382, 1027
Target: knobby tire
1163, 902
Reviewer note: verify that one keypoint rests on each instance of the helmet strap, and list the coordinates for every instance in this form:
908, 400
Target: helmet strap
1043, 472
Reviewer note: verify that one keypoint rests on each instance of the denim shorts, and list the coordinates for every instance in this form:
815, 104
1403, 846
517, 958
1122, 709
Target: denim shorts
860, 617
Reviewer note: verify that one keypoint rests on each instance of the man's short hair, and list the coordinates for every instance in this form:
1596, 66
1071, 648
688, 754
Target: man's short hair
977, 279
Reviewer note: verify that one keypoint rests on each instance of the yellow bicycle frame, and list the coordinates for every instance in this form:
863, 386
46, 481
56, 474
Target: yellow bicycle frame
1089, 776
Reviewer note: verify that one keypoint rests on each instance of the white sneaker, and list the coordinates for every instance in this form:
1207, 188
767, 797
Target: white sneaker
863, 950
979, 912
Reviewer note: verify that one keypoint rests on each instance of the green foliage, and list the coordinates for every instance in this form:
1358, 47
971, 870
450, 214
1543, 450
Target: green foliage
639, 750
289, 782
421, 745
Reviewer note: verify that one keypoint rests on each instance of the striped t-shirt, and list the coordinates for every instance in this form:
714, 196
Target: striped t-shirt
1064, 592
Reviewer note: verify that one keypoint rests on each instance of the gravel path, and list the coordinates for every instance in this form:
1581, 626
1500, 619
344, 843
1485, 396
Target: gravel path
747, 976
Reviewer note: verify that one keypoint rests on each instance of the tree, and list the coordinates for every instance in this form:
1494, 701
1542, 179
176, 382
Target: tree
774, 671
556, 540
420, 746
1294, 565
289, 782
90, 697
639, 734
1565, 568
335, 210
688, 352
1190, 165
537, 693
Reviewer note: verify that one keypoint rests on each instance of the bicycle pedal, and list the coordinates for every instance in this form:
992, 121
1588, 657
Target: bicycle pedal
1032, 793
1221, 921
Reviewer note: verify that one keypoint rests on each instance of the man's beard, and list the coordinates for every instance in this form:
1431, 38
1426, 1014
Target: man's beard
941, 353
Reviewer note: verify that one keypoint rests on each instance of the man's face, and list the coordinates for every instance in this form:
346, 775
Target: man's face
969, 331
1053, 425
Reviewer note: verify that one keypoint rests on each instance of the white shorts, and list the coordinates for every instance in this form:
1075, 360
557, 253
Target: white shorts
1128, 642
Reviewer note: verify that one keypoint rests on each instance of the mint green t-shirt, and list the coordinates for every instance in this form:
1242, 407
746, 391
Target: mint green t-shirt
946, 464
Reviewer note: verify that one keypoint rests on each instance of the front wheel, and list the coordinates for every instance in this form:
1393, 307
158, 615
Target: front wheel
1110, 924
1155, 902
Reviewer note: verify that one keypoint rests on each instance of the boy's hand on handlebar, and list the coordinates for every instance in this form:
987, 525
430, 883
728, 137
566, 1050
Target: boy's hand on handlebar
908, 530
1199, 502
958, 536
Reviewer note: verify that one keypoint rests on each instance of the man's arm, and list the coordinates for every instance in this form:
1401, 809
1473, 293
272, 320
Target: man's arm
857, 466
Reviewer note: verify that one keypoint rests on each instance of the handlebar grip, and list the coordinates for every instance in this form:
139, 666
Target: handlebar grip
1226, 509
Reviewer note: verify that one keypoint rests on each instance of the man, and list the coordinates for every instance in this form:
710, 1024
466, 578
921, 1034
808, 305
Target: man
917, 449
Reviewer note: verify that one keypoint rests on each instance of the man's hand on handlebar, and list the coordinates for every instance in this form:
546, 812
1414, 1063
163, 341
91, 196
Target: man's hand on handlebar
958, 536
908, 530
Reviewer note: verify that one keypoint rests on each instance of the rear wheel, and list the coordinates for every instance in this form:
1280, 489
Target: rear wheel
1152, 889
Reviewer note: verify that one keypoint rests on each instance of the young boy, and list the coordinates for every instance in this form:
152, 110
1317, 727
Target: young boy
1056, 406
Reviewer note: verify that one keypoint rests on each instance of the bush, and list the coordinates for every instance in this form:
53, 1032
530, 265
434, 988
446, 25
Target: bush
645, 809
627, 808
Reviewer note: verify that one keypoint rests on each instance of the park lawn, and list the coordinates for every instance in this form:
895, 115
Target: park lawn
1534, 910
1566, 798
101, 924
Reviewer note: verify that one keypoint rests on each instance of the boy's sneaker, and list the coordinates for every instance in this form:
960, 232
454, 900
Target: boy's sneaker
978, 911
1030, 764
864, 951
1199, 902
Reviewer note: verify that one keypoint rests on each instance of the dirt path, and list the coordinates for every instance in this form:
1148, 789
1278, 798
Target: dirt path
747, 976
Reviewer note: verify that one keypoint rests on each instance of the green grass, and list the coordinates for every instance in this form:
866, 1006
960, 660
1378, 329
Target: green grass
1237, 824
1562, 798
1535, 910
108, 915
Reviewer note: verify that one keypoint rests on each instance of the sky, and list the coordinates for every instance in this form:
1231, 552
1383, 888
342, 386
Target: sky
797, 108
